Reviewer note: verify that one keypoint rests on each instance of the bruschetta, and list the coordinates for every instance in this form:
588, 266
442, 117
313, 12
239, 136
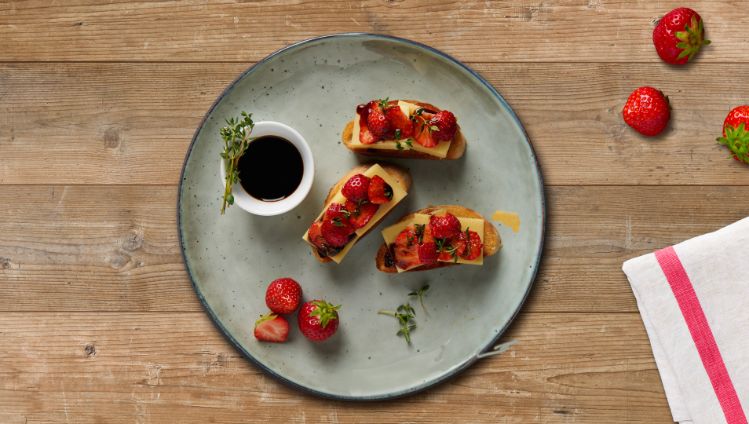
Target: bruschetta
404, 128
435, 237
353, 206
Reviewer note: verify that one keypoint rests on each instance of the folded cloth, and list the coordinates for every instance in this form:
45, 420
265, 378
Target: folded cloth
693, 300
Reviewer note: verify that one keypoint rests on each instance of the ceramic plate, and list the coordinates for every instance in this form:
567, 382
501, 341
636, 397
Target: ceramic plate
314, 86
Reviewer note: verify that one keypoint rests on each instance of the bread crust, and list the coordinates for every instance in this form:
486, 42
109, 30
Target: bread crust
457, 147
400, 175
492, 240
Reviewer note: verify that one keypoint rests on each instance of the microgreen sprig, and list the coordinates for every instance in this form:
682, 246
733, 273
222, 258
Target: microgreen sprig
405, 315
236, 137
420, 293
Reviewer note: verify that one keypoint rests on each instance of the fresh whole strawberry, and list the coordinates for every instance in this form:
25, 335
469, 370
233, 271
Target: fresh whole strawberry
377, 122
356, 188
679, 35
474, 246
336, 231
446, 125
401, 126
271, 328
445, 226
318, 320
360, 213
428, 253
647, 111
736, 133
379, 191
283, 296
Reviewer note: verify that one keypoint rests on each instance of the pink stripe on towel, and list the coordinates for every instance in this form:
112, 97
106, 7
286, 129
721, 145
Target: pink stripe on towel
702, 335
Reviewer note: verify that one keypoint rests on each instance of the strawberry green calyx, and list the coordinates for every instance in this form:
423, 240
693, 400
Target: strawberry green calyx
737, 141
324, 312
691, 40
267, 317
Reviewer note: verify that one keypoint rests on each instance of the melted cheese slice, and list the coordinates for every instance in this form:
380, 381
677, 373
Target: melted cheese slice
440, 150
474, 224
398, 194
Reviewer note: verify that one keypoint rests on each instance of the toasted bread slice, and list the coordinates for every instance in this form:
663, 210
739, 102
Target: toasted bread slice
457, 146
492, 240
400, 175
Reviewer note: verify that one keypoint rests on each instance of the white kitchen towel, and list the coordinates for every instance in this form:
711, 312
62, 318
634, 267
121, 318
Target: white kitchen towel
694, 300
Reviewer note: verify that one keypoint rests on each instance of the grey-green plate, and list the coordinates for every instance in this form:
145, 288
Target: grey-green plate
314, 86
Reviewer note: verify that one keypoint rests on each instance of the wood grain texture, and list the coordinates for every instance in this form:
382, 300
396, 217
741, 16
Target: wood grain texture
132, 123
100, 248
230, 30
124, 368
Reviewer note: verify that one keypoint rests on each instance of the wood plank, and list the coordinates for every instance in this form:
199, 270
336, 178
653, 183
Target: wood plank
120, 368
100, 248
559, 31
132, 123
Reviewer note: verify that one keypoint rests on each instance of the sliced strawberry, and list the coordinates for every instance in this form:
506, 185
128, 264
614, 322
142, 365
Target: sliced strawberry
402, 126
365, 136
474, 246
406, 249
423, 128
379, 191
314, 235
336, 231
360, 214
336, 210
428, 253
378, 124
356, 188
446, 125
453, 248
444, 226
271, 328
424, 136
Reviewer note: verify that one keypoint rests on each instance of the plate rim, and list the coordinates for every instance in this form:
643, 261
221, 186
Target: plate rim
450, 373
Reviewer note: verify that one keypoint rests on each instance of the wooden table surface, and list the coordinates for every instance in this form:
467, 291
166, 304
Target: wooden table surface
99, 101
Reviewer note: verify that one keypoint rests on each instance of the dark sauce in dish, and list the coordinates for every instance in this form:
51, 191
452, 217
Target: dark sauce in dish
270, 169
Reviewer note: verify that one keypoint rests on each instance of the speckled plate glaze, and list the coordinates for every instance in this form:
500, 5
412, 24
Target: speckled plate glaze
314, 86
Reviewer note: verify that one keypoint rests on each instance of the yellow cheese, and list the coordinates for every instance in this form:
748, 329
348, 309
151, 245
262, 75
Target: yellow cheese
398, 194
473, 224
440, 150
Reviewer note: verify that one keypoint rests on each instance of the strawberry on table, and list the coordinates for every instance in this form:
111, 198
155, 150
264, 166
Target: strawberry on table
679, 35
356, 188
736, 133
271, 328
318, 320
283, 296
379, 191
647, 111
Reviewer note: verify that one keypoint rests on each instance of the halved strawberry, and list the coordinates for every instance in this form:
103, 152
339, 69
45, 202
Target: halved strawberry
314, 235
446, 125
428, 253
356, 188
405, 249
378, 124
336, 231
453, 248
379, 191
423, 128
402, 126
444, 226
360, 214
271, 328
474, 245
336, 210
365, 135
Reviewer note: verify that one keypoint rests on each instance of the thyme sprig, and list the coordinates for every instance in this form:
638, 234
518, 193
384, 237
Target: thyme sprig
420, 293
406, 316
236, 137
